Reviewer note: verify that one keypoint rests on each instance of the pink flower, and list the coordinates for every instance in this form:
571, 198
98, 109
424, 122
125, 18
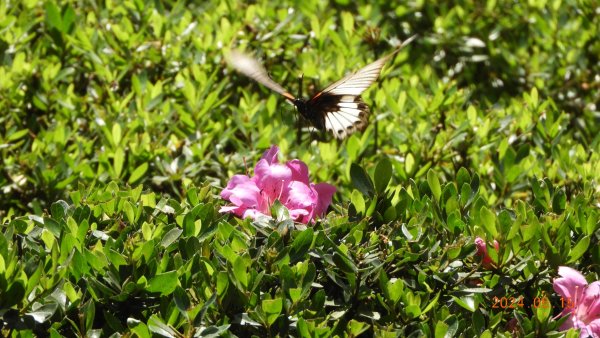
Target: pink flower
288, 183
486, 261
581, 302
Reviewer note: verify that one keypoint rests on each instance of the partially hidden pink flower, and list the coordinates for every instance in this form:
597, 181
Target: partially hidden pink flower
486, 260
287, 183
581, 302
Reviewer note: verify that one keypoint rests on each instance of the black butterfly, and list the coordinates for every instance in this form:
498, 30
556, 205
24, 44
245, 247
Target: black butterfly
337, 108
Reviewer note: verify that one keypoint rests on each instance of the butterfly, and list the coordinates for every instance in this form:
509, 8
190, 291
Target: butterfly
338, 108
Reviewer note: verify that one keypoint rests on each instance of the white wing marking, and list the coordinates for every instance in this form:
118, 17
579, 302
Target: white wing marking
346, 120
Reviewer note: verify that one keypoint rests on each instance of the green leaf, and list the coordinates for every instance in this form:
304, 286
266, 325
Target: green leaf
171, 237
488, 221
14, 294
358, 201
467, 302
129, 212
165, 283
34, 278
462, 177
200, 317
355, 328
394, 289
12, 137
432, 303
44, 312
182, 300
156, 325
343, 263
89, 311
409, 164
434, 185
272, 308
579, 249
559, 201
68, 19
383, 174
441, 329
412, 311
543, 309
138, 173
222, 283
53, 17
137, 327
361, 180
116, 134
239, 271
215, 331
301, 245
118, 161
59, 209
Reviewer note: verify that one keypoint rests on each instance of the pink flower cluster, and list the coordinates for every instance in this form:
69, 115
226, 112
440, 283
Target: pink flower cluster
581, 302
486, 260
288, 183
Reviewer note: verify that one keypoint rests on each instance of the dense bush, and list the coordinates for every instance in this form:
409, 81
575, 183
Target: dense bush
121, 123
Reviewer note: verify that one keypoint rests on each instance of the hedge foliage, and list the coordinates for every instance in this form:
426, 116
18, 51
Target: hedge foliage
121, 122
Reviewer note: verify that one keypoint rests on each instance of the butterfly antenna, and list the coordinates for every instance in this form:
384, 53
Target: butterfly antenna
300, 78
299, 124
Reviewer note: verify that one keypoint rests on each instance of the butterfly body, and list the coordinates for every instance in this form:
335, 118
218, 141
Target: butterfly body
338, 108
340, 114
309, 113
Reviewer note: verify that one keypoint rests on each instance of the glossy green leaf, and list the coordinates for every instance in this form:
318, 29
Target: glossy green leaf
170, 237
382, 176
361, 180
434, 184
163, 283
488, 221
272, 307
240, 272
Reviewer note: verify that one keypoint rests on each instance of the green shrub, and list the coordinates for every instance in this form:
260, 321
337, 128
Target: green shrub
121, 123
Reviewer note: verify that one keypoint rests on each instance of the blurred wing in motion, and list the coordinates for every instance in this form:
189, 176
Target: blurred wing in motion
248, 66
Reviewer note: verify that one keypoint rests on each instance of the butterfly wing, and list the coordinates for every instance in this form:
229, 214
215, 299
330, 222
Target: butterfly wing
248, 66
342, 115
340, 107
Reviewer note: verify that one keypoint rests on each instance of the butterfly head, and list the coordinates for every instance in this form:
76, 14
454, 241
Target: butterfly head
301, 105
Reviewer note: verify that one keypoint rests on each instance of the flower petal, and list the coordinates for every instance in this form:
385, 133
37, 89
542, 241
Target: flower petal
234, 209
253, 213
300, 196
570, 284
299, 171
300, 215
271, 155
325, 194
233, 182
272, 179
289, 183
589, 308
592, 329
569, 323
301, 201
482, 251
481, 246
